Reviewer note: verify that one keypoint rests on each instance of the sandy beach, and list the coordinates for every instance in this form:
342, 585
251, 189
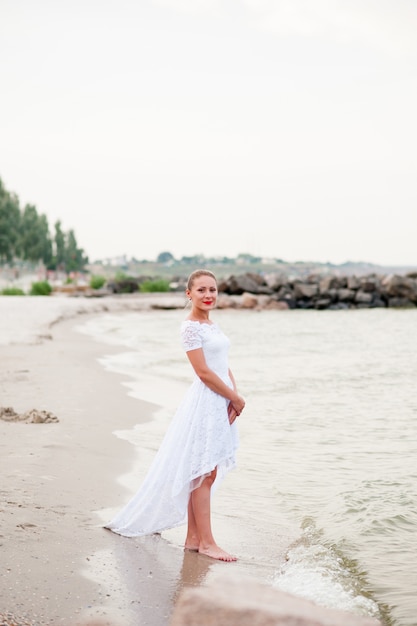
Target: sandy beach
59, 566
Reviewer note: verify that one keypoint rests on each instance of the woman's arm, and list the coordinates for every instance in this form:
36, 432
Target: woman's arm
214, 382
231, 411
232, 378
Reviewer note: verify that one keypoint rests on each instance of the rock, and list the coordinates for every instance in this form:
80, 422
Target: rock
331, 282
340, 306
285, 293
346, 295
290, 302
361, 297
279, 305
305, 290
322, 303
249, 301
259, 280
353, 282
123, 286
305, 304
369, 284
276, 281
400, 287
252, 291
247, 282
400, 303
332, 293
224, 301
313, 291
244, 602
377, 302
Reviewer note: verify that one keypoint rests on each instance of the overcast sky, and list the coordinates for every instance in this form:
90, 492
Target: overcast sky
279, 128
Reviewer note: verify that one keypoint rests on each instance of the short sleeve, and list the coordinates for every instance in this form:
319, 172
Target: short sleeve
190, 336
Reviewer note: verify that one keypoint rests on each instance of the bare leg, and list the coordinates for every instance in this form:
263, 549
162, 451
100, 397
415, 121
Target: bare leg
201, 513
192, 541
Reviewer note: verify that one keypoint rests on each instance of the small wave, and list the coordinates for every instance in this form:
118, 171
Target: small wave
322, 574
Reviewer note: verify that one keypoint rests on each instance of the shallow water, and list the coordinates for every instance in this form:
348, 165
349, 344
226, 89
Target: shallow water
328, 439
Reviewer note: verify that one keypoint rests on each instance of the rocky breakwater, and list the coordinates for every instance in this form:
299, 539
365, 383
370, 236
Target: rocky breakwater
318, 292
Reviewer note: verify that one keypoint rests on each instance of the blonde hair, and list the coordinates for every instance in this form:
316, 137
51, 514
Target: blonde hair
197, 274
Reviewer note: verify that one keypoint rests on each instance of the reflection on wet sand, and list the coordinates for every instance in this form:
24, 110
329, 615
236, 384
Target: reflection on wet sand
194, 570
151, 574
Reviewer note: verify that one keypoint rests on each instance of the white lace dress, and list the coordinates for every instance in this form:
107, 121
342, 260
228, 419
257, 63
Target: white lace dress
199, 438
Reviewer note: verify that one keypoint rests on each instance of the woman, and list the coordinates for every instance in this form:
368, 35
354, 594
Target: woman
200, 444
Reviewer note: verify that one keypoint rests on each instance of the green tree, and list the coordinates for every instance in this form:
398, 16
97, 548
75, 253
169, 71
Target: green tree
164, 257
35, 241
46, 245
59, 240
9, 225
248, 258
74, 256
25, 235
196, 260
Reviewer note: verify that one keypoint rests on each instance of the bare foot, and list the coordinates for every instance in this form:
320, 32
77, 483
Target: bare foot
215, 552
191, 547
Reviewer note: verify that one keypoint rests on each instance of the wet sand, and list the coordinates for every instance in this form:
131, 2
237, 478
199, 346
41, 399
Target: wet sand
60, 479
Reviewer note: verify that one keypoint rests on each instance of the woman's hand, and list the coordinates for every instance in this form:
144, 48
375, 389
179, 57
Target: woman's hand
239, 404
231, 412
235, 408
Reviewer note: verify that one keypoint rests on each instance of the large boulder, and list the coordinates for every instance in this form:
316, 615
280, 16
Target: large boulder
126, 285
400, 303
224, 301
395, 286
278, 305
249, 301
322, 303
305, 290
362, 297
353, 282
237, 285
276, 281
346, 295
244, 602
369, 284
332, 282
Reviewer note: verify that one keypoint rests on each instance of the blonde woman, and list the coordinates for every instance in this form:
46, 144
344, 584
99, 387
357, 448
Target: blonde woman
200, 444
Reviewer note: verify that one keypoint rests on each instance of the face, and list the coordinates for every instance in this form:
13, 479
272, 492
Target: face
203, 293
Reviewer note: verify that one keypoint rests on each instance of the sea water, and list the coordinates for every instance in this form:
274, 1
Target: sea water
328, 439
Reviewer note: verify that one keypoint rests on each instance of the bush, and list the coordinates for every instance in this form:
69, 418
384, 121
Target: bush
154, 285
41, 288
12, 291
97, 282
121, 276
